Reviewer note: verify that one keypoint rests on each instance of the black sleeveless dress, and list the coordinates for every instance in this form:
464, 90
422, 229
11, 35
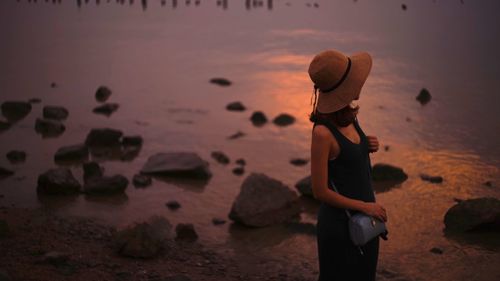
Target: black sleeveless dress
339, 258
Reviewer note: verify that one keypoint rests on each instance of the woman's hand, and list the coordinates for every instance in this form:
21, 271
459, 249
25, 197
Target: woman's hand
375, 210
372, 143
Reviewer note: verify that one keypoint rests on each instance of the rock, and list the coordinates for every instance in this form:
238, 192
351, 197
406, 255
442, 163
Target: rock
129, 152
218, 221
220, 81
433, 179
49, 128
132, 140
103, 137
91, 170
220, 157
56, 258
298, 161
408, 119
424, 96
15, 110
106, 109
284, 119
403, 7
106, 185
55, 112
479, 214
178, 277
78, 152
4, 229
185, 232
34, 100
241, 162
436, 251
386, 147
58, 181
304, 186
258, 118
143, 240
264, 201
5, 172
387, 172
102, 94
181, 164
488, 183
16, 156
173, 205
53, 85
236, 135
235, 106
142, 180
238, 171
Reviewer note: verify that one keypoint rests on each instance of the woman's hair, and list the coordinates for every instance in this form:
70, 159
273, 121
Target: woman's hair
342, 117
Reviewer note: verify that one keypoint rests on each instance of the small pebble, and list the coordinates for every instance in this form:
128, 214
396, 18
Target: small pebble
173, 205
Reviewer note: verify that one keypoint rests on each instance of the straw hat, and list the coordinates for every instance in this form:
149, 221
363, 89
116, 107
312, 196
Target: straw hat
338, 78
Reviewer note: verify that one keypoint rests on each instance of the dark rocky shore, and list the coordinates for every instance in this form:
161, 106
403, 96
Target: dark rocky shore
38, 245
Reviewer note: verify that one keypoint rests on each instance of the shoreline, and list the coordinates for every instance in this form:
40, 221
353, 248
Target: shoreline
42, 246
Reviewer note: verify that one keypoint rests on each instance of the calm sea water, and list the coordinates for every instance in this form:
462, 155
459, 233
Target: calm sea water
158, 60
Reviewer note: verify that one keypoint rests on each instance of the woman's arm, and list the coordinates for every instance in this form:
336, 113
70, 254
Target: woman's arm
320, 146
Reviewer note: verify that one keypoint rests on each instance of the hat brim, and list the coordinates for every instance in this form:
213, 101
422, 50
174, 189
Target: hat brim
361, 64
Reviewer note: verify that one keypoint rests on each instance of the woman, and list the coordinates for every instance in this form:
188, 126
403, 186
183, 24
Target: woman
340, 153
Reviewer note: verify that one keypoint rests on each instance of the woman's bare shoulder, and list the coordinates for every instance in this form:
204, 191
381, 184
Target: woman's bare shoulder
321, 131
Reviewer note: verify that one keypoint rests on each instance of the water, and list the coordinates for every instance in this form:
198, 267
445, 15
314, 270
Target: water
158, 60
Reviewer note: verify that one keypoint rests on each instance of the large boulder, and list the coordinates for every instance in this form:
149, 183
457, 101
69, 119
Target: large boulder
182, 164
144, 240
473, 215
78, 152
15, 110
264, 201
49, 128
55, 112
58, 181
103, 137
386, 177
105, 185
304, 186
